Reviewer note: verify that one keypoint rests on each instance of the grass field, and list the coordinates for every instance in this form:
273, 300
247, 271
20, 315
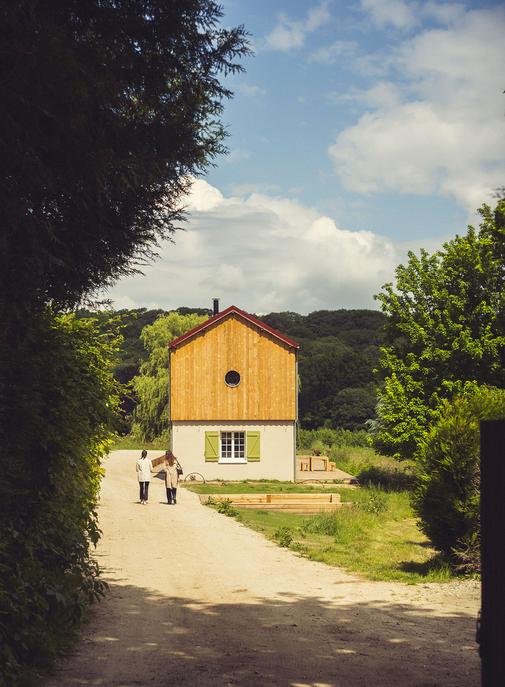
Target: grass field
378, 537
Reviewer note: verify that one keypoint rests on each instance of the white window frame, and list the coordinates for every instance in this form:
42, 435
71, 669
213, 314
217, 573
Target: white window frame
232, 443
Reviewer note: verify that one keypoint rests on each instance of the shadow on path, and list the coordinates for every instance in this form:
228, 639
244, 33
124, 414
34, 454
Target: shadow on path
145, 638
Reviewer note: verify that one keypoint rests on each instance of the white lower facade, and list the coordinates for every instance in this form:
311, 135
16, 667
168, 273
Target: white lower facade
238, 450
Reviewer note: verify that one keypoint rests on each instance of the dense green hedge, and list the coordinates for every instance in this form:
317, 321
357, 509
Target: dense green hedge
447, 496
58, 400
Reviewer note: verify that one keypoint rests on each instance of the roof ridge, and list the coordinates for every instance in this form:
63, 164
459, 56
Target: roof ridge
241, 313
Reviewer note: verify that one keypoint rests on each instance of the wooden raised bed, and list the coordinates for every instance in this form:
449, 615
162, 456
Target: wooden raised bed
292, 503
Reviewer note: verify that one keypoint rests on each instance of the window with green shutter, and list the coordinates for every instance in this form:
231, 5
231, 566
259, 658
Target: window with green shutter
253, 447
211, 447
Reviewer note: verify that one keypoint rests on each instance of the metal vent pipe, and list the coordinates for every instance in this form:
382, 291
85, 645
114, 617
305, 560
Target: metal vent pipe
215, 306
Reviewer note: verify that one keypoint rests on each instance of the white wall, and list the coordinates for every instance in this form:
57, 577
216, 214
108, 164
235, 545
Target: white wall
277, 457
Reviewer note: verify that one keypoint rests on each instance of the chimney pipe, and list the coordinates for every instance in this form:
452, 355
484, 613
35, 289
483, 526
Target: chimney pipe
215, 306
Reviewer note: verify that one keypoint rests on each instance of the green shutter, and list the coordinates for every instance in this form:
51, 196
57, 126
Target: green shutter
253, 447
211, 447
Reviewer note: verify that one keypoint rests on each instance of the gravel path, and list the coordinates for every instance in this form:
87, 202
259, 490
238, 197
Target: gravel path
197, 599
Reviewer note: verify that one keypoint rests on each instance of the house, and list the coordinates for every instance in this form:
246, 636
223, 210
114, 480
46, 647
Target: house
233, 398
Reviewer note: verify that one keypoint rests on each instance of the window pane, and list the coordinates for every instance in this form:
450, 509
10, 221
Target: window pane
239, 444
226, 444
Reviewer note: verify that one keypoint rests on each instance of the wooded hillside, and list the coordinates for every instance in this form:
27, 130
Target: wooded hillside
339, 351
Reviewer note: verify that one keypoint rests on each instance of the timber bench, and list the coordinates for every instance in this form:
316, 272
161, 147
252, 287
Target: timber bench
291, 503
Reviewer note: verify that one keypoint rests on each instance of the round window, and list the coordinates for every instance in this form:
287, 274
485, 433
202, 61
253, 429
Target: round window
232, 378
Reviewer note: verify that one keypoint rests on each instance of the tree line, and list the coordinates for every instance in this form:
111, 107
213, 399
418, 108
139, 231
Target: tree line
339, 351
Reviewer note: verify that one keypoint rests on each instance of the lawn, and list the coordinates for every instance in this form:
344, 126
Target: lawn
377, 537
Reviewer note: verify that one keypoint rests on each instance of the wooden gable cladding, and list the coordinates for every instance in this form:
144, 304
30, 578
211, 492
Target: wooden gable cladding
267, 368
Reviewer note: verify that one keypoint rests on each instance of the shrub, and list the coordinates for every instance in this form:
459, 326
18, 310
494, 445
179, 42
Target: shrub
61, 401
446, 497
283, 536
225, 507
387, 477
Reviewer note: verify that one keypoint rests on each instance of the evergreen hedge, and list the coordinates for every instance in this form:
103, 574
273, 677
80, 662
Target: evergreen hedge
58, 400
447, 495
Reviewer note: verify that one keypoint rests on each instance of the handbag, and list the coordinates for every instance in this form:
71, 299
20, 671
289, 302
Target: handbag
179, 469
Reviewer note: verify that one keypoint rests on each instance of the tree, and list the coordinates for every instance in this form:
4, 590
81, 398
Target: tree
447, 498
151, 385
108, 107
338, 353
445, 326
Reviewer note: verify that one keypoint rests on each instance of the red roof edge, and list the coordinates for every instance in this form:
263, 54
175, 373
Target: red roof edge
241, 313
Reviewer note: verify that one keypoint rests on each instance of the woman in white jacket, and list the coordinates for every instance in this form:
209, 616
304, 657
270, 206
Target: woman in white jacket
144, 469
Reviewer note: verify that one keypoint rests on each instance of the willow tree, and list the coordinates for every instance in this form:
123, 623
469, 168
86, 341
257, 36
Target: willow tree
151, 385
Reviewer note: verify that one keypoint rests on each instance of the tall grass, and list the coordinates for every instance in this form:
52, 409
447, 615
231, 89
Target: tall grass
325, 437
351, 451
377, 537
130, 442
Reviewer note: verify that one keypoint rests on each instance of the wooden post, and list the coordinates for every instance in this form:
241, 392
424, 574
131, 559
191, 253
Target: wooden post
492, 510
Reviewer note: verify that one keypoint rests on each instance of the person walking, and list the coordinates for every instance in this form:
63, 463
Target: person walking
171, 477
144, 469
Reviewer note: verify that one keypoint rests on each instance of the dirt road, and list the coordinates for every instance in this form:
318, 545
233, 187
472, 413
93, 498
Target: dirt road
197, 599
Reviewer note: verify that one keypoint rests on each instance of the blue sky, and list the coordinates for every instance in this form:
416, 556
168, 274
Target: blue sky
359, 130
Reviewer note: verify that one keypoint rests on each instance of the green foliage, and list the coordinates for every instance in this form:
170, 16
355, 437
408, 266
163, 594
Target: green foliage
339, 350
446, 498
326, 438
375, 501
59, 400
283, 536
151, 385
387, 477
131, 353
108, 109
223, 506
445, 326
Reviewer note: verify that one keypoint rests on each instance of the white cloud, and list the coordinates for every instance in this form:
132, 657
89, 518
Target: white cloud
261, 253
383, 95
289, 34
443, 130
329, 54
396, 13
403, 15
246, 189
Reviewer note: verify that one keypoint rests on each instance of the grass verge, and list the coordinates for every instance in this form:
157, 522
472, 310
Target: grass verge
370, 468
377, 538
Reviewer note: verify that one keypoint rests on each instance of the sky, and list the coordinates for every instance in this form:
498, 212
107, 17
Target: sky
359, 131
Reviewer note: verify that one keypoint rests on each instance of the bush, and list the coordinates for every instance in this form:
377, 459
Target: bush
387, 477
283, 536
60, 401
223, 506
446, 497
